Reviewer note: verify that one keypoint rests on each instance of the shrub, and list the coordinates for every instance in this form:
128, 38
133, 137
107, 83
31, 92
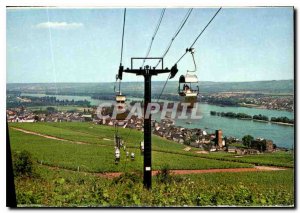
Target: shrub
213, 112
127, 178
164, 176
22, 164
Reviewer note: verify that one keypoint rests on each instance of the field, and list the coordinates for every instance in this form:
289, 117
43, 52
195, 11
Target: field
97, 155
103, 135
70, 171
280, 158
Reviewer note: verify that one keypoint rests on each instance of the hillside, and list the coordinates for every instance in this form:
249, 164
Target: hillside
74, 166
282, 86
91, 147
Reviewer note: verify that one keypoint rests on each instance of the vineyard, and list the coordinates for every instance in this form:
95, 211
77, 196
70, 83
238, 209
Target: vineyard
69, 160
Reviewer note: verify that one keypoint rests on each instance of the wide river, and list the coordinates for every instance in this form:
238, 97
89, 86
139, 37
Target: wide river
280, 134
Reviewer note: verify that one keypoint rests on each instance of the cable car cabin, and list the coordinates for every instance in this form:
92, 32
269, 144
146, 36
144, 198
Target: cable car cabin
142, 147
132, 156
188, 88
121, 107
117, 156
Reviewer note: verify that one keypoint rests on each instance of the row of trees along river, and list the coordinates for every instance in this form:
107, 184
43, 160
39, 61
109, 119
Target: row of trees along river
244, 116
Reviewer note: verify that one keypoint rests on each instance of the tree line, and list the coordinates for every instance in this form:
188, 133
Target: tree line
46, 101
254, 117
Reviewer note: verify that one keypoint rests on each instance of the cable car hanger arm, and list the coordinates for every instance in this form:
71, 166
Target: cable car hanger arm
192, 51
152, 71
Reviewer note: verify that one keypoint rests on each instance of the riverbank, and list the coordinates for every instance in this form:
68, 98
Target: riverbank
281, 123
251, 106
272, 122
257, 118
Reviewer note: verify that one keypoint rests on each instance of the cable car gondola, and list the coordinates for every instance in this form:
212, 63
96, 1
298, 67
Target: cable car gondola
121, 111
188, 84
142, 147
117, 155
132, 156
121, 107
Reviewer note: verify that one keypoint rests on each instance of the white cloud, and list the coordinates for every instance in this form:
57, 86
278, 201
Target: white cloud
59, 25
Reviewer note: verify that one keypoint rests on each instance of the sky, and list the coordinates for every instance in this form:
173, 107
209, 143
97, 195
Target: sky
84, 45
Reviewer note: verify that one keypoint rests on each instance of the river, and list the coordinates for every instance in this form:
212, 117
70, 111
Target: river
281, 135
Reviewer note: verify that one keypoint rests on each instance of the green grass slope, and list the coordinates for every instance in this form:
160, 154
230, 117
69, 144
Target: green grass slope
103, 135
94, 157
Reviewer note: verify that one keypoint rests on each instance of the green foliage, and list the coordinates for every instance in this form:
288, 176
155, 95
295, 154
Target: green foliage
22, 163
238, 145
128, 178
239, 115
51, 109
278, 158
67, 155
46, 101
243, 116
63, 188
71, 188
187, 142
282, 120
163, 175
247, 139
260, 117
98, 154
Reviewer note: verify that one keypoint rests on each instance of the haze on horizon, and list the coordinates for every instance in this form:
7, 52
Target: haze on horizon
83, 45
139, 81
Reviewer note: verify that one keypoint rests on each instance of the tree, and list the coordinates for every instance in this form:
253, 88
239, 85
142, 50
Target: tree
187, 142
247, 139
51, 109
36, 118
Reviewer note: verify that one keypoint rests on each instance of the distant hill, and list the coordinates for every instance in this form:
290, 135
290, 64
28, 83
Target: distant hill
280, 86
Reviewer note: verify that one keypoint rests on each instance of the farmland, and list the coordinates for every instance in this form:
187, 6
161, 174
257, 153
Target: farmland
68, 171
103, 135
94, 158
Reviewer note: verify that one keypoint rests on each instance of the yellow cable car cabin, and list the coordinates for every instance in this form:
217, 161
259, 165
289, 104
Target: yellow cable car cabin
188, 88
121, 107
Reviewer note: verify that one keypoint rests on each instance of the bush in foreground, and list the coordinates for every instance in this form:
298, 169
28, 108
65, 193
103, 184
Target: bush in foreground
22, 164
60, 188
